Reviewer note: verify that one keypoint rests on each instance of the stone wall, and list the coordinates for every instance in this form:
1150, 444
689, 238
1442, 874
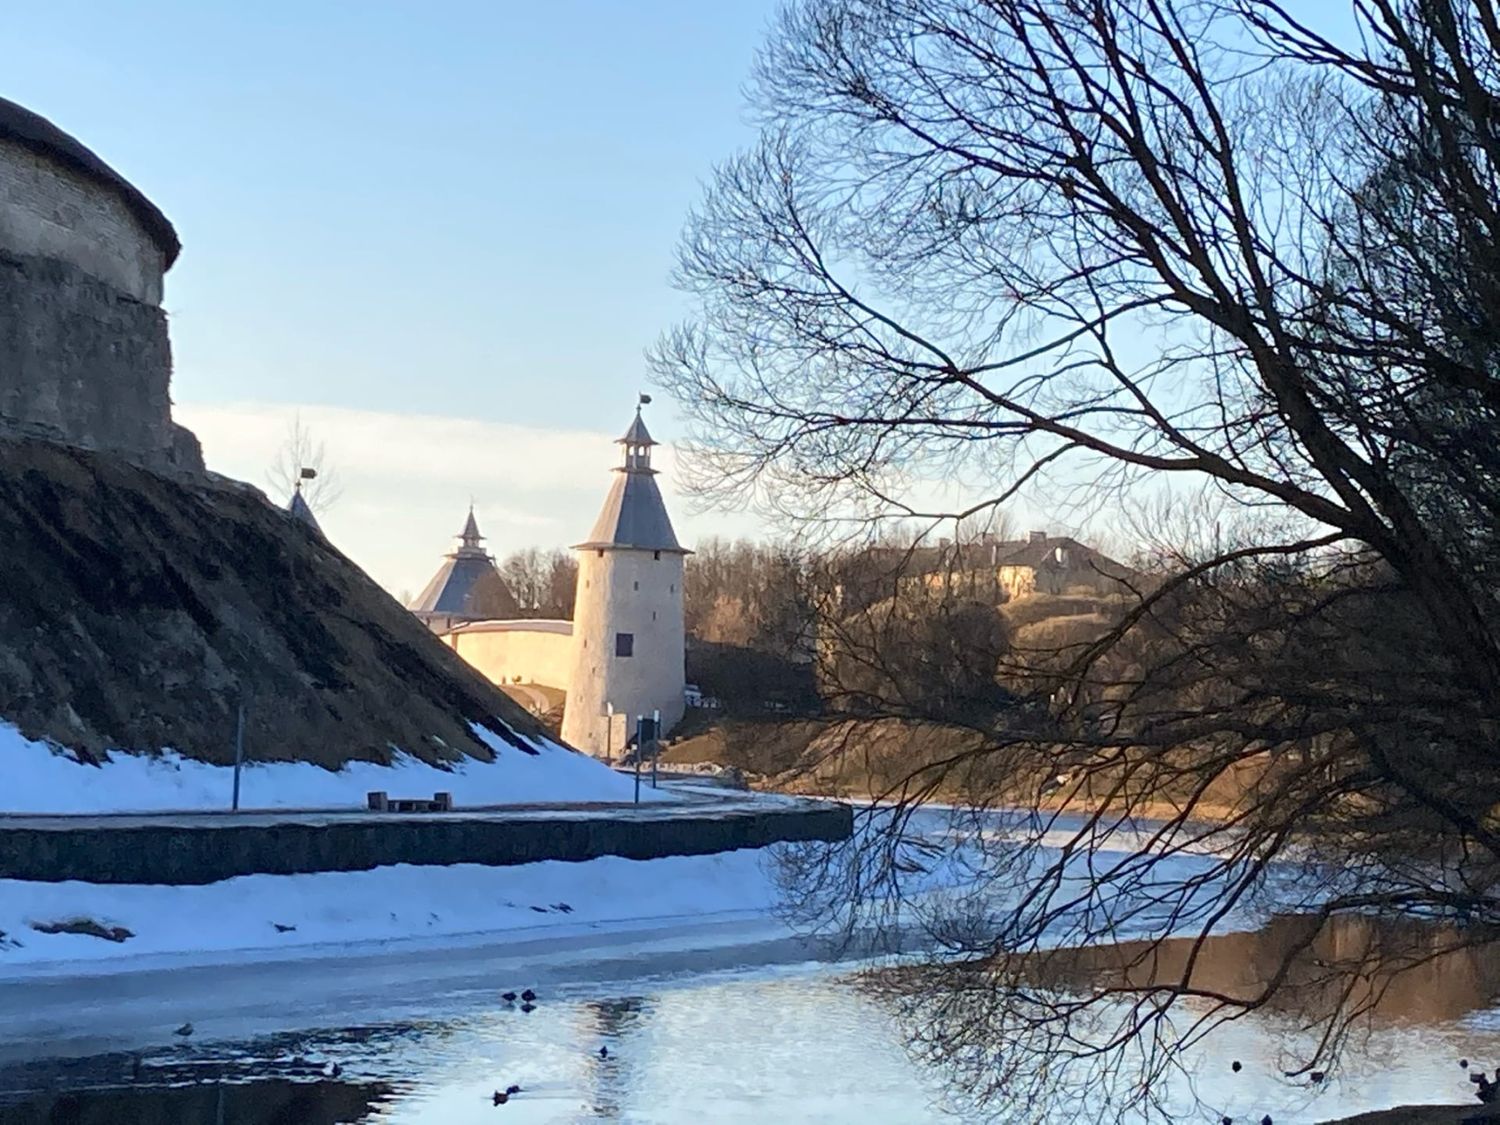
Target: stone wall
528, 652
81, 363
639, 592
207, 849
84, 353
48, 210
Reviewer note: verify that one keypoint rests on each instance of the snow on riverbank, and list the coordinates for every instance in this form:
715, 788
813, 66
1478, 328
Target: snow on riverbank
345, 909
37, 778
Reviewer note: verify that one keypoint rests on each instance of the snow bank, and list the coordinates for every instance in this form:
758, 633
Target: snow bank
346, 908
37, 778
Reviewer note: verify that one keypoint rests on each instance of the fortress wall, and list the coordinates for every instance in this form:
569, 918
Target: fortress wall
501, 655
84, 353
197, 849
50, 211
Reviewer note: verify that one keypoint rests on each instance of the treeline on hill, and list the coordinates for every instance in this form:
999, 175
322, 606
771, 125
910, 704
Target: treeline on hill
892, 628
774, 630
846, 670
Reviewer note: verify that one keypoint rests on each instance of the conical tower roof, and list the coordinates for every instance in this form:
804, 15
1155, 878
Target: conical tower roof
467, 584
300, 510
634, 517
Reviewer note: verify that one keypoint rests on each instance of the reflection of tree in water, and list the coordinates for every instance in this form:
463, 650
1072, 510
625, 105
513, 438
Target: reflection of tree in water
268, 1102
1297, 971
274, 1080
614, 1024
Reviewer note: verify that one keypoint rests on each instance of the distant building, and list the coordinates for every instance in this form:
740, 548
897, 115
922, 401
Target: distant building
987, 569
623, 654
997, 571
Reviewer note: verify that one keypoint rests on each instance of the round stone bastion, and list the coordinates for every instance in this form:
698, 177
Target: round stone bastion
84, 353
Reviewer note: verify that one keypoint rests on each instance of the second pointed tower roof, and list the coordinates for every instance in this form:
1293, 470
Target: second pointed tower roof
467, 584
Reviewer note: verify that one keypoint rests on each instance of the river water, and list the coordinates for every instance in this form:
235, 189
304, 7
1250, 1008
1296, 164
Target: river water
787, 1043
742, 1023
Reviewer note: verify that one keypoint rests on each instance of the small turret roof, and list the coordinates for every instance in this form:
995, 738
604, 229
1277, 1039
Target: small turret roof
300, 509
637, 434
469, 538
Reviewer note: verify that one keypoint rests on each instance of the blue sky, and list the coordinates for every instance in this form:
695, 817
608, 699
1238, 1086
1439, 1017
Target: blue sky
464, 211
438, 233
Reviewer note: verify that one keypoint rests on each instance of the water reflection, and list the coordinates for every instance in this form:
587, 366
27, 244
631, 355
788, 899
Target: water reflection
270, 1101
615, 1024
1388, 970
793, 1044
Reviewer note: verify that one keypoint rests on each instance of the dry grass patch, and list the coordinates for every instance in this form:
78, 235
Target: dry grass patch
86, 926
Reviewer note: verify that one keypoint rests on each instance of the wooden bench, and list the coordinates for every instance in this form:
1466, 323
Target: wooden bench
380, 802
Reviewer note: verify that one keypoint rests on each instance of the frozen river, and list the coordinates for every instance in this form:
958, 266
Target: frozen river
725, 1017
788, 1043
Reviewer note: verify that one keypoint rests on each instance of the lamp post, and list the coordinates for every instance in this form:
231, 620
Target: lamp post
239, 755
640, 733
655, 744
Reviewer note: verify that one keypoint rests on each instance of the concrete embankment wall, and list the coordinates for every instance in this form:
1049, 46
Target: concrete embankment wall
207, 849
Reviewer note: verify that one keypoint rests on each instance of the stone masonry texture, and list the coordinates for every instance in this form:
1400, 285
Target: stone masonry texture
179, 854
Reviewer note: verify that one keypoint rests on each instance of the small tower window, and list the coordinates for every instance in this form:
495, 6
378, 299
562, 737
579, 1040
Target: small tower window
624, 644
637, 585
656, 555
601, 552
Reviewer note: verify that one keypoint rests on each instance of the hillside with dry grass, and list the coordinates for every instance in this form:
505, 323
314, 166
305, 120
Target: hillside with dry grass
138, 611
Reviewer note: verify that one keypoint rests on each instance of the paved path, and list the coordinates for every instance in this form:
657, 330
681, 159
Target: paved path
689, 802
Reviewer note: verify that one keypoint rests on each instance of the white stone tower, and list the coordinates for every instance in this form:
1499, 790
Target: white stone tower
628, 644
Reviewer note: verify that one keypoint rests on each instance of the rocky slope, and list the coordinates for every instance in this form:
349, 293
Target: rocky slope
137, 610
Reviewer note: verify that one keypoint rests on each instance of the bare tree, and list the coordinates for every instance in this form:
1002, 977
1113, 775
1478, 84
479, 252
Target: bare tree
301, 453
1103, 243
542, 582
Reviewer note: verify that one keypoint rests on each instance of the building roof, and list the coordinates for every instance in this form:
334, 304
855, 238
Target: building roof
23, 127
634, 517
1063, 551
469, 538
467, 584
300, 510
637, 434
1038, 551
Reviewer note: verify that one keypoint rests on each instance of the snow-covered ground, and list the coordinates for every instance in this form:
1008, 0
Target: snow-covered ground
38, 778
275, 916
346, 914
